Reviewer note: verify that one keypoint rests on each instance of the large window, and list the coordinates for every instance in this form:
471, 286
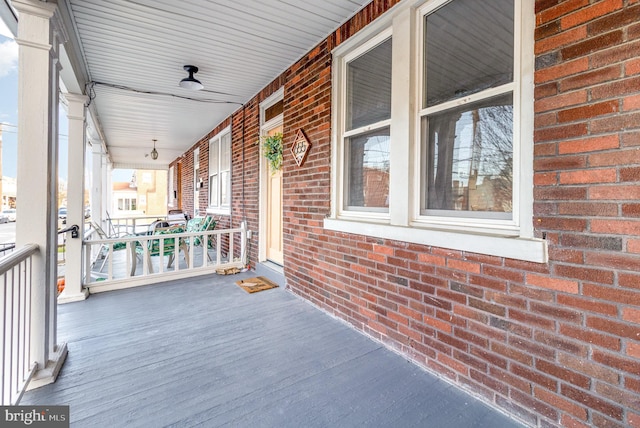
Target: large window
220, 171
433, 127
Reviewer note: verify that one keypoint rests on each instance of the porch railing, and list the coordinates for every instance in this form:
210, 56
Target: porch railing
17, 370
145, 259
132, 225
7, 248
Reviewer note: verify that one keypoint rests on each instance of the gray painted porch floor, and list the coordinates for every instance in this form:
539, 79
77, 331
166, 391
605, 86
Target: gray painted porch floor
202, 352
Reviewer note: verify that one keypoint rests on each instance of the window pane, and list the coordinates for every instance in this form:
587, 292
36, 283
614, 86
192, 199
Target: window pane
368, 169
213, 190
225, 186
369, 87
225, 153
273, 110
214, 153
133, 204
470, 157
469, 48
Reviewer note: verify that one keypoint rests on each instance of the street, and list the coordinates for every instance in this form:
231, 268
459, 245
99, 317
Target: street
7, 232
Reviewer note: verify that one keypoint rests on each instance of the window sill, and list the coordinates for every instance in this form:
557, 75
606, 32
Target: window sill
219, 211
527, 249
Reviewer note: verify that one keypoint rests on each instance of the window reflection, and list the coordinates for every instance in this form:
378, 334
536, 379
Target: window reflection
368, 169
470, 157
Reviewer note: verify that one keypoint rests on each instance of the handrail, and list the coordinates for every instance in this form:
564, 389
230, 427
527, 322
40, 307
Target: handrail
11, 260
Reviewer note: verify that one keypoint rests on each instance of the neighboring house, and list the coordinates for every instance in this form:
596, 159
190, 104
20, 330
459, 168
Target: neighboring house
470, 197
152, 192
145, 195
125, 199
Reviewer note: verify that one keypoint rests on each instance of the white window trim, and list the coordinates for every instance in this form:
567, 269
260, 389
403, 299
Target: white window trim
171, 198
461, 221
196, 181
511, 239
220, 209
265, 126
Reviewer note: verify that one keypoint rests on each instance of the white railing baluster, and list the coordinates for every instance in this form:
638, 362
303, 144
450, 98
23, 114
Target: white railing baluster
204, 239
17, 368
129, 258
145, 257
243, 243
110, 260
218, 249
161, 254
87, 263
21, 346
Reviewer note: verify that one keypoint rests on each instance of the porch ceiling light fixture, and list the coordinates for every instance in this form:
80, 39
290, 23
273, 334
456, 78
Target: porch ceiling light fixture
154, 152
191, 82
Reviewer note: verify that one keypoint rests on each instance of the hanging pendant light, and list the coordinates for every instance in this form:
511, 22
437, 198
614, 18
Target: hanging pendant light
154, 152
191, 82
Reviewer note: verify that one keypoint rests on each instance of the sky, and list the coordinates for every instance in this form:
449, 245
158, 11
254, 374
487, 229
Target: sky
9, 114
9, 109
8, 101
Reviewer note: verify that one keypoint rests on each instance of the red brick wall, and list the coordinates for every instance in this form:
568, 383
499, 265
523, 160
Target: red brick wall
556, 343
553, 344
187, 163
586, 177
245, 184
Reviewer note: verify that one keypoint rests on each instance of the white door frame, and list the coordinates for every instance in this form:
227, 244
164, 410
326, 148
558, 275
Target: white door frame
264, 170
196, 181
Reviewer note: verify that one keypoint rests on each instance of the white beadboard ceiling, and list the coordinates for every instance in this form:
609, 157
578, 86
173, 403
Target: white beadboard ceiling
134, 51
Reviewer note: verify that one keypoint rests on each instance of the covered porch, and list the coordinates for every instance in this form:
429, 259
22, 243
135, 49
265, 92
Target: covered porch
121, 96
458, 181
203, 352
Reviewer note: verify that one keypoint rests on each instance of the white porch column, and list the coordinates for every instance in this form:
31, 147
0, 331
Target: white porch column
73, 290
106, 187
97, 178
37, 181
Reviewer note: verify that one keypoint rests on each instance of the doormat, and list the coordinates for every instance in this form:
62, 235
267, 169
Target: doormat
253, 285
